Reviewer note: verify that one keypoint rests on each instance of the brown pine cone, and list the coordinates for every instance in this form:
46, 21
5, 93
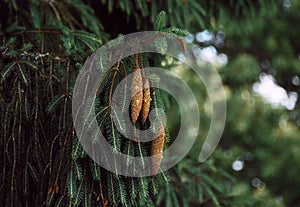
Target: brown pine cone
146, 101
157, 149
137, 95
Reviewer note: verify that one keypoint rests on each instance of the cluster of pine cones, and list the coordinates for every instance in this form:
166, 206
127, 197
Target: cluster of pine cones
140, 107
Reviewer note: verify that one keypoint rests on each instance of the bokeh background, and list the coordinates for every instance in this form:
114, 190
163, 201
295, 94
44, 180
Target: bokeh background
255, 47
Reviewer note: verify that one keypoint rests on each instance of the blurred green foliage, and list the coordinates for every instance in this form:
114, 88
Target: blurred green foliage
260, 36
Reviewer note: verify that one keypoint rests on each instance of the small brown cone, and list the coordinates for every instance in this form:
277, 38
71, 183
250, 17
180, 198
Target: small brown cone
50, 189
137, 95
146, 101
56, 188
157, 149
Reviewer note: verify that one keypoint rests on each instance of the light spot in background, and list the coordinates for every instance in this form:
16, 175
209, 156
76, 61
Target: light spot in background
219, 39
287, 4
196, 51
265, 64
237, 165
209, 54
273, 93
190, 38
296, 80
204, 37
257, 183
222, 59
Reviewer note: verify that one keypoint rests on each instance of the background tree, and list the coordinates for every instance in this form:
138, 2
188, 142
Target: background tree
43, 46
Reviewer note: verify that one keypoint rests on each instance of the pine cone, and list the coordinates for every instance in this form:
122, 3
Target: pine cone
157, 148
56, 188
137, 95
146, 101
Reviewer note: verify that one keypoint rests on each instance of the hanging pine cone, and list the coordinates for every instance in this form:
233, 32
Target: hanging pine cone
137, 95
146, 101
157, 148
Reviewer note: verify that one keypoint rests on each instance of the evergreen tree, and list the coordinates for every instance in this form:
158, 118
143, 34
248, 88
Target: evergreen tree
43, 47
